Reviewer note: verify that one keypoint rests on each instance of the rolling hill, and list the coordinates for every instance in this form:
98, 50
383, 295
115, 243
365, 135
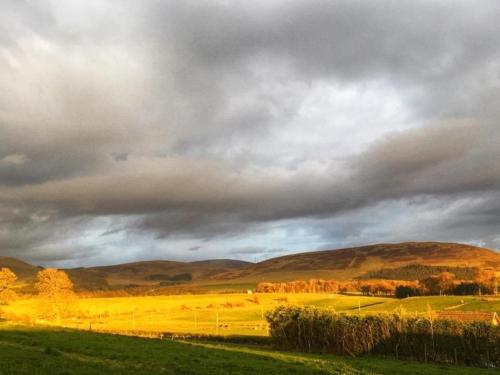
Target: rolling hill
23, 270
380, 259
26, 274
354, 262
138, 273
152, 272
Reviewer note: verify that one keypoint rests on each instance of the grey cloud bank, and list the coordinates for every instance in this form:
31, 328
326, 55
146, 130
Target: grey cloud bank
134, 130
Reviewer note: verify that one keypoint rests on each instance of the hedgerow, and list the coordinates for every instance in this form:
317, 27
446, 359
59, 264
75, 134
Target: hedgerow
419, 338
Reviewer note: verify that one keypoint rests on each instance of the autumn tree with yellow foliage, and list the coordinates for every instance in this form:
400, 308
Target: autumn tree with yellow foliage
56, 287
487, 279
7, 280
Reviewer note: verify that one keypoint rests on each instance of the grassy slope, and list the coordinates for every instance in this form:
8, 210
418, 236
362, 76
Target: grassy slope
26, 274
93, 278
139, 272
422, 304
42, 351
224, 274
352, 262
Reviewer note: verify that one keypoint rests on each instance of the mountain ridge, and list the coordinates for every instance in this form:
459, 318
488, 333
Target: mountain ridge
354, 261
342, 263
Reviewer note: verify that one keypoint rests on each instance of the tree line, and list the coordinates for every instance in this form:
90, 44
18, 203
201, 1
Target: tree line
418, 272
484, 282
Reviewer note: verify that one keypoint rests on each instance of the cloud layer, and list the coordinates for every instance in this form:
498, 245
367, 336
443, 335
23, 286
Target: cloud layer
132, 130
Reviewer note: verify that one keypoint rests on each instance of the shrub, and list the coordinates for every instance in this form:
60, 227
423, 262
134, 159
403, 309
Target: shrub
405, 291
313, 330
466, 289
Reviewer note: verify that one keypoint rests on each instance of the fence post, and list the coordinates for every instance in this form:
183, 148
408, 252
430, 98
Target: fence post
133, 319
217, 322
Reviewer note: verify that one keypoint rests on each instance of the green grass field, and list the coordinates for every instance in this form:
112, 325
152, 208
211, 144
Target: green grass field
422, 304
40, 351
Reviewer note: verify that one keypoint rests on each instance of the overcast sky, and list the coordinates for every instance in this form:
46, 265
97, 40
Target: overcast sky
245, 129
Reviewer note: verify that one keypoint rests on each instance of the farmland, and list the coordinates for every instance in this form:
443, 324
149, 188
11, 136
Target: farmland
210, 317
42, 351
223, 314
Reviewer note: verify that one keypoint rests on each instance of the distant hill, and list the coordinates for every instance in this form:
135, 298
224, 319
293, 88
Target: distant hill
138, 273
26, 274
154, 271
23, 270
404, 260
357, 261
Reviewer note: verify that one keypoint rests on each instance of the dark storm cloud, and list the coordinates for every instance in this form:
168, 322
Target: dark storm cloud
350, 39
207, 200
440, 159
481, 216
418, 46
187, 119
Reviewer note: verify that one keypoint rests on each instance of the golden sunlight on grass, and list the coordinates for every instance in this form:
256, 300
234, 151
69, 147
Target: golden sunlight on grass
223, 314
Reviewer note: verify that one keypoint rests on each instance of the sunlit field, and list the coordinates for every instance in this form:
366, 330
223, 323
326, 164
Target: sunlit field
423, 304
220, 314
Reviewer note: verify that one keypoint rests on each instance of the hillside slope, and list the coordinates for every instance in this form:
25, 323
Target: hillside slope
152, 272
353, 262
26, 275
334, 264
23, 270
138, 273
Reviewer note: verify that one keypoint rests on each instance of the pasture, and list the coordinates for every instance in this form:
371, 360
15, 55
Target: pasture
221, 314
40, 351
216, 314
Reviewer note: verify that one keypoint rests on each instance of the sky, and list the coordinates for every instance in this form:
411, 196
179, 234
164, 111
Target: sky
189, 130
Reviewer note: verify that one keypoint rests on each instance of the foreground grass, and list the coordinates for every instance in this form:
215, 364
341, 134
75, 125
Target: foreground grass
42, 351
